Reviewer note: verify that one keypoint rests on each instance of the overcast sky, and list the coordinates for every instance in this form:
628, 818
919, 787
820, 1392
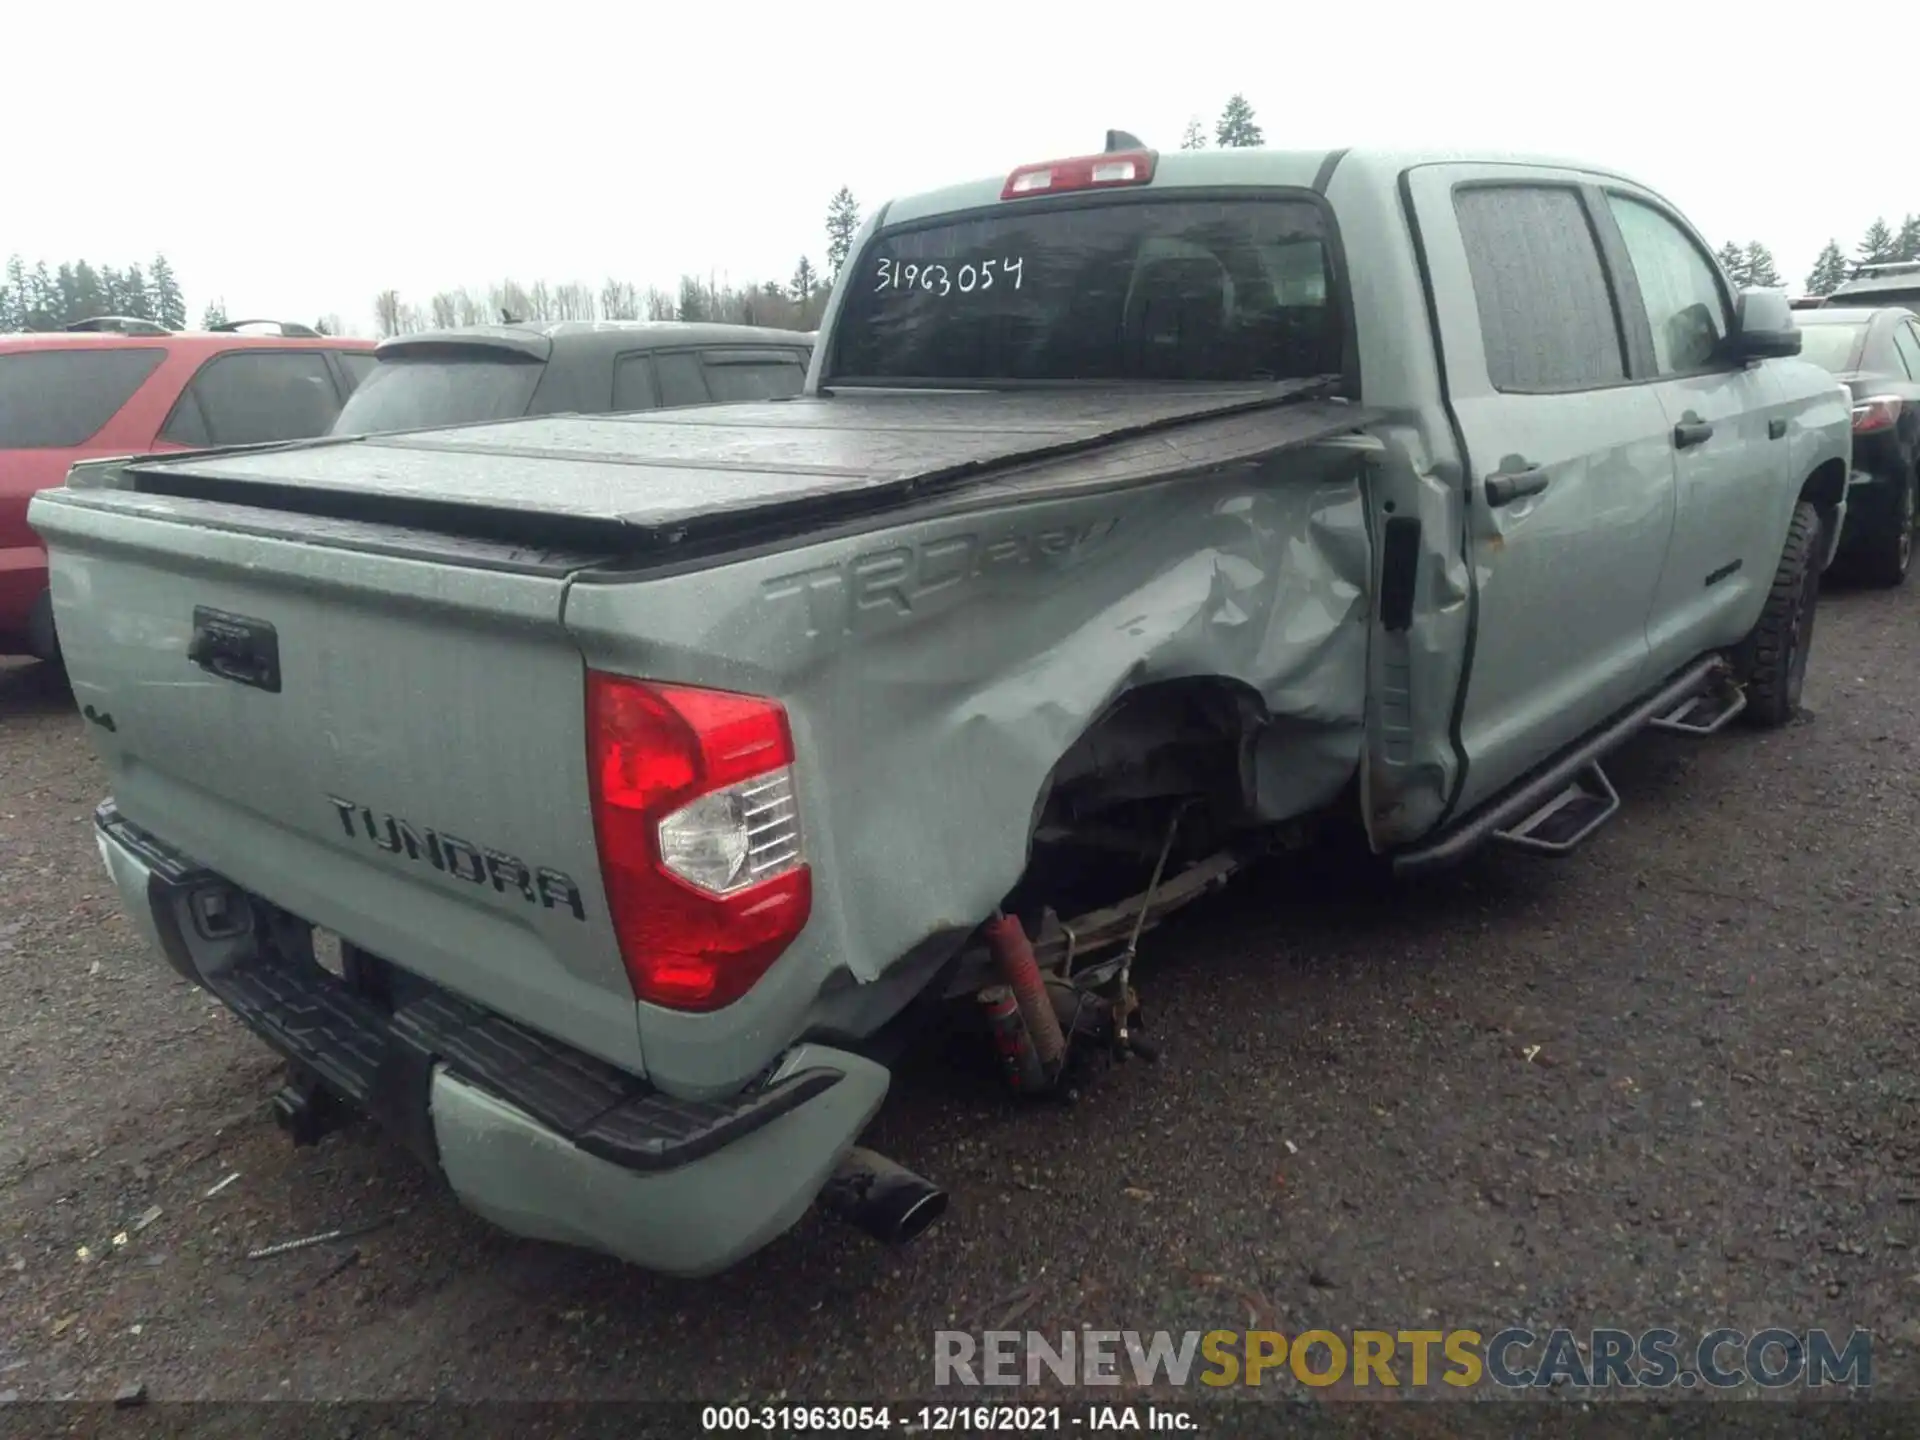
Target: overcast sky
295, 160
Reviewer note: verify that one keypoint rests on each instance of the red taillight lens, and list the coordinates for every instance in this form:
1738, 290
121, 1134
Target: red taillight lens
1882, 412
699, 832
1082, 172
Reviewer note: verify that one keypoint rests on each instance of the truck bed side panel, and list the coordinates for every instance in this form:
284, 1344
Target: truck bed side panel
937, 669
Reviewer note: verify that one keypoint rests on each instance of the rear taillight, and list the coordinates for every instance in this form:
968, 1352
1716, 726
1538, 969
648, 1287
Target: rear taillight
1882, 412
1082, 172
698, 826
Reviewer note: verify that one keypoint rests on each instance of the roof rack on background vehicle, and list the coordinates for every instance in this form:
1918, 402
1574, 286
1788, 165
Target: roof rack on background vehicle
290, 328
119, 325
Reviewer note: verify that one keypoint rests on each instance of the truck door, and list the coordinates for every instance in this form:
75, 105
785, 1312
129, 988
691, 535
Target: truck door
1730, 446
1569, 465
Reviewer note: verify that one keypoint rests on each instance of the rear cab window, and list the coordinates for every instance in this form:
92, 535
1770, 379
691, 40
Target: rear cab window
426, 389
1152, 287
56, 399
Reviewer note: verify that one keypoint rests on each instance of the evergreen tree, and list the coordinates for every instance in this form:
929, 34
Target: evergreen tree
1906, 245
1195, 137
806, 280
693, 300
19, 296
43, 308
1733, 260
112, 291
1762, 274
1829, 270
169, 305
134, 298
88, 300
65, 301
1236, 129
215, 314
843, 223
1876, 246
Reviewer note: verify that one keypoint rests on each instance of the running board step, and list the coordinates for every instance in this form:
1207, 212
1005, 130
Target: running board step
1559, 826
1707, 713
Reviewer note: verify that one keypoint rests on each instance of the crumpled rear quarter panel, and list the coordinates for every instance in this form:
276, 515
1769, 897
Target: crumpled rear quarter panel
935, 671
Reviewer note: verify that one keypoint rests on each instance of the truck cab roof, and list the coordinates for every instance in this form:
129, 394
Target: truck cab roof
1297, 169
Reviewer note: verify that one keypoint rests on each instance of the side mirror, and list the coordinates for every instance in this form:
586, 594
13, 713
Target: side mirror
1763, 326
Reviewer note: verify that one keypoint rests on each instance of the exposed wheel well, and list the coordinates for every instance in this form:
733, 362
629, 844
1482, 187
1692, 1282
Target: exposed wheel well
1110, 796
1826, 487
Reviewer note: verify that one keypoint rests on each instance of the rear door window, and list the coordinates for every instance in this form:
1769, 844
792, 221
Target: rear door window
53, 399
633, 387
414, 391
1546, 313
734, 376
681, 379
249, 397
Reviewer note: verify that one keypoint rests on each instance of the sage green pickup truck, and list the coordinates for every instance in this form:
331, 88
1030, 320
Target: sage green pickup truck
602, 802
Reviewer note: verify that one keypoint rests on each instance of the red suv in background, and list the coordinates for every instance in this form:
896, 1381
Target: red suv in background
126, 387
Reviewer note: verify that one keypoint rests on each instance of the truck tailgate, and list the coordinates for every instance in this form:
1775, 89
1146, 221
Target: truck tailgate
388, 747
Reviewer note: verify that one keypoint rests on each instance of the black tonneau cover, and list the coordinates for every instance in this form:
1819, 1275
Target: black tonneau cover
664, 476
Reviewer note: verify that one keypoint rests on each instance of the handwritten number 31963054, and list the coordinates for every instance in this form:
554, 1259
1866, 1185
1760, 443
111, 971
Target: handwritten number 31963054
936, 277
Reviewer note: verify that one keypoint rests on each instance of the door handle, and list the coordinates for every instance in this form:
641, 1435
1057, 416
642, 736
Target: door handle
1689, 433
1512, 485
1776, 429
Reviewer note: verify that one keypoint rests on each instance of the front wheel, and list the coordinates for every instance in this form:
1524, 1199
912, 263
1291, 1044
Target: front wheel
1773, 658
1890, 552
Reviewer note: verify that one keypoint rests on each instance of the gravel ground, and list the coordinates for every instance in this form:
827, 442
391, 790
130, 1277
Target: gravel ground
1720, 1124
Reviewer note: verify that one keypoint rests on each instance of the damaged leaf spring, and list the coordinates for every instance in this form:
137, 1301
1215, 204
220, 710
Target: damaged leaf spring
1026, 1013
1063, 948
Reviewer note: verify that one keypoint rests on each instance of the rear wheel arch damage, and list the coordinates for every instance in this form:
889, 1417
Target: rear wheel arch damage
1208, 743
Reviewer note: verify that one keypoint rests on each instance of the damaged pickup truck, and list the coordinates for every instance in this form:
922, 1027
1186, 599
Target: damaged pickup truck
598, 801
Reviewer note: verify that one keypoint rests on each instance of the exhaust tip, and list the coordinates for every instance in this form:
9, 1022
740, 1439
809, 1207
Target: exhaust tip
886, 1200
919, 1216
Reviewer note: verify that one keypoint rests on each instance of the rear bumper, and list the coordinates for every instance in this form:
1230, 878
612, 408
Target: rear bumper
538, 1138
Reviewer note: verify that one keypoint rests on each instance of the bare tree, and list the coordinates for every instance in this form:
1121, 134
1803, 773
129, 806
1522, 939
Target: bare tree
659, 304
619, 300
572, 301
445, 312
471, 309
386, 312
509, 298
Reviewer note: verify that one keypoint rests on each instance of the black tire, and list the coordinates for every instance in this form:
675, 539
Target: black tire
1773, 658
1888, 555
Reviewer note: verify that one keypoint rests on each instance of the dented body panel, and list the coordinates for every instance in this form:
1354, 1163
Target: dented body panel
936, 672
349, 677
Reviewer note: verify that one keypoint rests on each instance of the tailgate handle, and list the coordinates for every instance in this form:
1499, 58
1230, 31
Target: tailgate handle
235, 648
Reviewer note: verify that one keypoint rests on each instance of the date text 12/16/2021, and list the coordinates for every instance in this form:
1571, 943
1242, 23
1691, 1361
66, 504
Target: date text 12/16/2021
943, 277
939, 1419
